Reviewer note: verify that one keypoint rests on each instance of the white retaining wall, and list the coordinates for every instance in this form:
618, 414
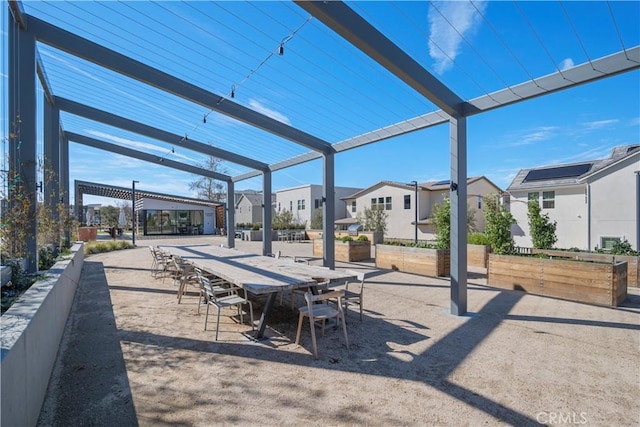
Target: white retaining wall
30, 334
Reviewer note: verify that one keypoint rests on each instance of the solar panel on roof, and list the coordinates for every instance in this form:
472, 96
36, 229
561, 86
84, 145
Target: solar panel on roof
572, 171
443, 182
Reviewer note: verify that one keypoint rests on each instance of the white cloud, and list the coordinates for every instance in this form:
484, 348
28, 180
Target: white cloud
130, 143
260, 108
600, 124
445, 37
538, 134
566, 64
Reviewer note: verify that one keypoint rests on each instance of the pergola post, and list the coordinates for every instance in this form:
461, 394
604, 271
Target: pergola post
65, 200
51, 159
266, 213
78, 202
458, 246
22, 123
231, 215
328, 210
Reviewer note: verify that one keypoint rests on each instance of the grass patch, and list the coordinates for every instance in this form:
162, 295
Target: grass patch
109, 246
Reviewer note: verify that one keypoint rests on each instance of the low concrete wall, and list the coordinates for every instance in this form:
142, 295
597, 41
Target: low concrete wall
30, 335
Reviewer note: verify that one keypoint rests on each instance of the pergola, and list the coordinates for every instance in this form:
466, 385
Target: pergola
342, 24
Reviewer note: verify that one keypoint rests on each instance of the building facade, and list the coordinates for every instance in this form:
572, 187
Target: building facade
594, 203
398, 200
303, 201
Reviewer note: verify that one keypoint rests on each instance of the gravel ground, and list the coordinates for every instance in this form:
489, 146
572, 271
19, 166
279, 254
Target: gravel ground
132, 356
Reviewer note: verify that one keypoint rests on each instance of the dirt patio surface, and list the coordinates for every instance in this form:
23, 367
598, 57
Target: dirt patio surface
132, 356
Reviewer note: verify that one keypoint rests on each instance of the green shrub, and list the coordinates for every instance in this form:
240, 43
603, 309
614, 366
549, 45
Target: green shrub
46, 257
542, 229
498, 222
477, 239
363, 238
346, 239
108, 246
623, 248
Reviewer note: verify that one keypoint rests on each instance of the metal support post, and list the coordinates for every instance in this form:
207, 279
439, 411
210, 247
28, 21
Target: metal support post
458, 246
329, 210
266, 213
134, 218
231, 210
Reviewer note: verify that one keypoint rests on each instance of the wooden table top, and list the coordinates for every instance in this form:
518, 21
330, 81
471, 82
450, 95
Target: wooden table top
257, 274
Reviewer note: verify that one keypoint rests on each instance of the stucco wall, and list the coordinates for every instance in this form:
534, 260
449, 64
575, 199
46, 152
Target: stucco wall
613, 203
570, 213
31, 331
247, 212
309, 193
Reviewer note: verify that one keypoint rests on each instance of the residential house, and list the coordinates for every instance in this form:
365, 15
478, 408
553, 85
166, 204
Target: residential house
398, 201
594, 203
249, 208
304, 200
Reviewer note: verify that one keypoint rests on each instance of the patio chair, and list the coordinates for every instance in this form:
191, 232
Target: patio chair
218, 284
159, 264
322, 312
224, 298
356, 293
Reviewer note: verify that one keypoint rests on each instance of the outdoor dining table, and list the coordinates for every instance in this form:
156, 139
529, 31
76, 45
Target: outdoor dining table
256, 274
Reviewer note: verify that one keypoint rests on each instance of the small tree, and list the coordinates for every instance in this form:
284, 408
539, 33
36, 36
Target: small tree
442, 222
498, 226
373, 220
316, 221
109, 216
543, 231
206, 187
282, 220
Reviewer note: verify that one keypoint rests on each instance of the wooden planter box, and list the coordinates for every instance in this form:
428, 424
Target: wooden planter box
633, 262
590, 282
345, 251
87, 234
428, 262
478, 255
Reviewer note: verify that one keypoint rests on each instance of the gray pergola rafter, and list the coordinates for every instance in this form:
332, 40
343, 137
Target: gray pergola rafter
111, 119
122, 64
128, 152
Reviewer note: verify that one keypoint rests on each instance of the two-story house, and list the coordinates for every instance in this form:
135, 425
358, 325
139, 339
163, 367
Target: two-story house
398, 200
594, 203
303, 201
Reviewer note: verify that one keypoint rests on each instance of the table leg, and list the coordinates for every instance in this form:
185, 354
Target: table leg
265, 314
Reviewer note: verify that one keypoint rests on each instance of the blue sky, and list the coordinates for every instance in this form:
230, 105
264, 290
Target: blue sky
329, 89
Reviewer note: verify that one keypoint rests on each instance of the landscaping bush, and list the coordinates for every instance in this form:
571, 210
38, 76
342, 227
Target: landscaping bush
346, 239
108, 246
477, 239
363, 238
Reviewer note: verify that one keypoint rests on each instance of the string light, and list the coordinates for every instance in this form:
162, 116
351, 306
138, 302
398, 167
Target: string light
279, 49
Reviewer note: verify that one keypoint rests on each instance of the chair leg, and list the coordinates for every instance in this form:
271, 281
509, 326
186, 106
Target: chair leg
313, 338
344, 328
360, 310
218, 324
300, 320
206, 317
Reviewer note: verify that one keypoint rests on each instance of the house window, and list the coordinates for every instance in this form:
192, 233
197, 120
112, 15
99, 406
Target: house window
479, 202
374, 203
548, 199
316, 203
278, 206
606, 243
407, 201
533, 196
291, 206
301, 205
353, 206
387, 204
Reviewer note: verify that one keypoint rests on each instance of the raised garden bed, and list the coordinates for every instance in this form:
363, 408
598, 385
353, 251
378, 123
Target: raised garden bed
478, 255
633, 262
345, 251
428, 262
582, 281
